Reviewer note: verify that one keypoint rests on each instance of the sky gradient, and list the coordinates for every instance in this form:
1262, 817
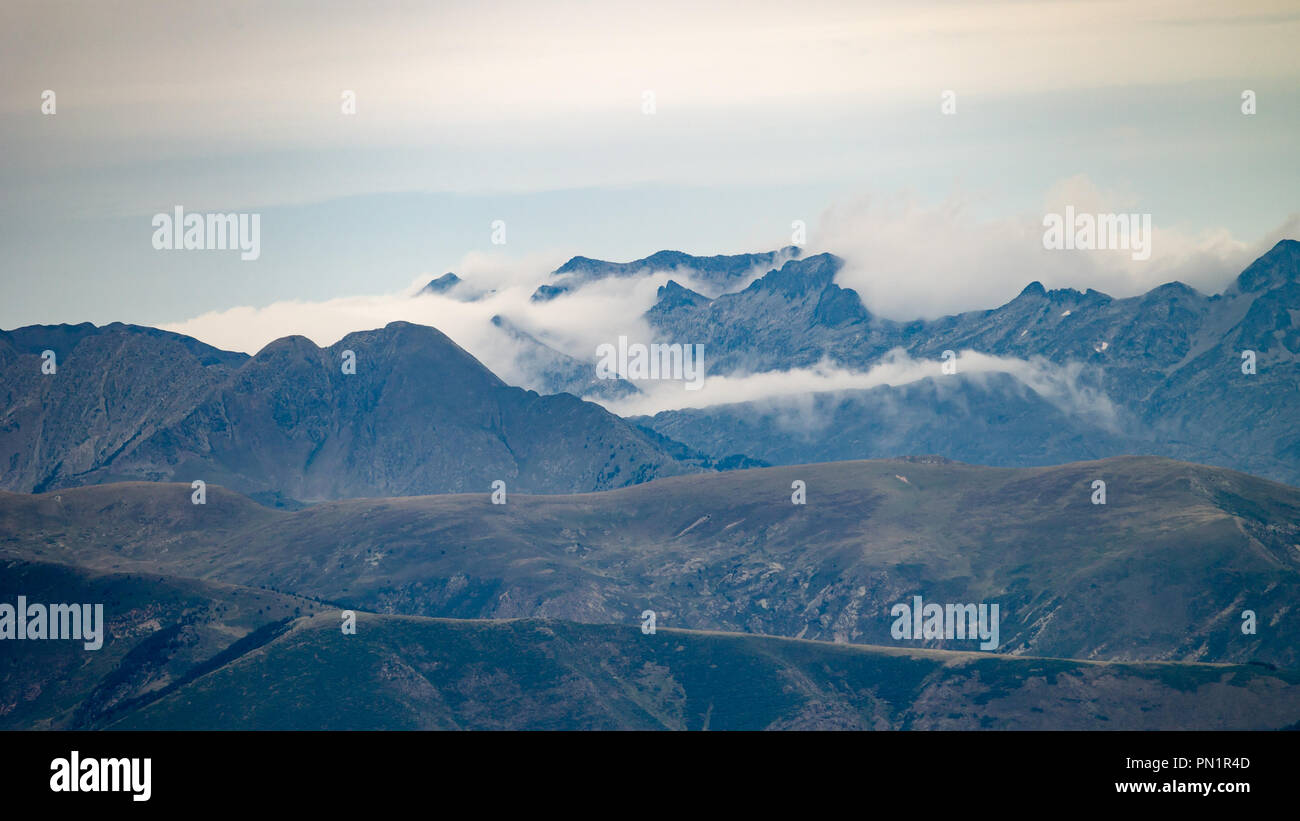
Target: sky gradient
765, 113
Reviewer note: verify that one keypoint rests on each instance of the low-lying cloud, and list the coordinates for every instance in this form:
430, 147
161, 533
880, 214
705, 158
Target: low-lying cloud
1065, 386
574, 324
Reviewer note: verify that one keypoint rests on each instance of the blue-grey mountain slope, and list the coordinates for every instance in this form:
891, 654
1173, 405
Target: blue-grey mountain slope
1169, 364
720, 273
419, 415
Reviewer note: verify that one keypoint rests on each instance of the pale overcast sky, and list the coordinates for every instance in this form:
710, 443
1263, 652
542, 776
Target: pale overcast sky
532, 113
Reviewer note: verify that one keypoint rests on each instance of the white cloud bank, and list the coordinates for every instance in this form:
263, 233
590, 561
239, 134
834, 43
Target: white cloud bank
1060, 385
909, 261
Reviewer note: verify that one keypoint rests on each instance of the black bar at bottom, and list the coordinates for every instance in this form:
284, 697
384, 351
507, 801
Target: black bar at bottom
330, 770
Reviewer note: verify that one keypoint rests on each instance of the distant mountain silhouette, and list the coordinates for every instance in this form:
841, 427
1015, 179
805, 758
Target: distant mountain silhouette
722, 272
419, 415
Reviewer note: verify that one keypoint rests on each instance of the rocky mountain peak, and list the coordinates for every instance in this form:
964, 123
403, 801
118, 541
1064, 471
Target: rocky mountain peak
1281, 265
800, 277
1033, 290
672, 295
442, 284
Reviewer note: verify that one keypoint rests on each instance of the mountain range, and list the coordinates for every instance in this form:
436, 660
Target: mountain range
1088, 377
1161, 373
360, 476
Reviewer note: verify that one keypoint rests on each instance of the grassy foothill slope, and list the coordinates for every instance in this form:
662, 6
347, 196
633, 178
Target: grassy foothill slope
1162, 571
158, 632
413, 673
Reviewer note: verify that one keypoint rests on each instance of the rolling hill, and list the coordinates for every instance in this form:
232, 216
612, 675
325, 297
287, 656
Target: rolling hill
159, 632
183, 654
1163, 571
411, 673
